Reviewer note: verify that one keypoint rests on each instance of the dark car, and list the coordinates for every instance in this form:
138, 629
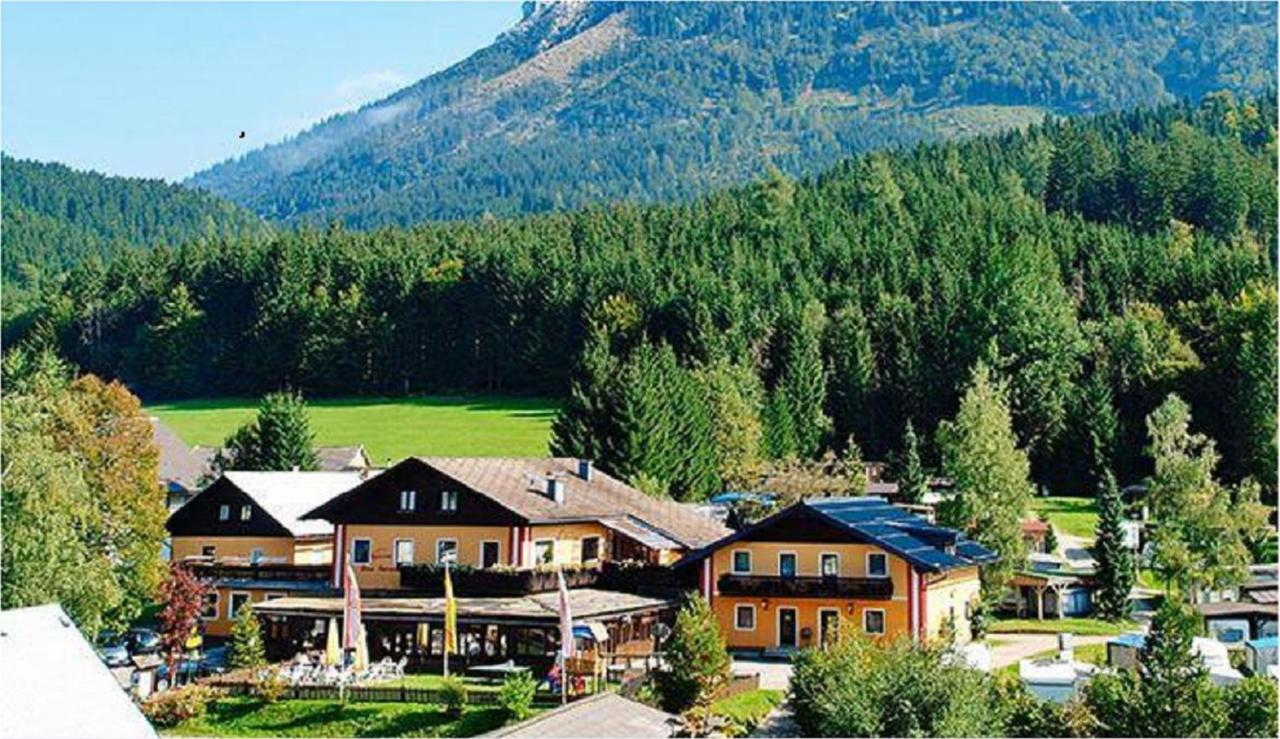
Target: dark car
113, 649
143, 641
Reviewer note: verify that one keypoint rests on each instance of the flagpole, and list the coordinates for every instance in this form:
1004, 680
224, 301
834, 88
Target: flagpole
445, 641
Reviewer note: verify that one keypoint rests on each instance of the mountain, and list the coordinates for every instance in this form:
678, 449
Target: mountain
55, 216
588, 102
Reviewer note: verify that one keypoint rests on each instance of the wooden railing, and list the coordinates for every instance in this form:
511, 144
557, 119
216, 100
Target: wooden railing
469, 581
773, 586
289, 572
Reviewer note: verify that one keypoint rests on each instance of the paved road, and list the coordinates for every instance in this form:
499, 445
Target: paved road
1014, 647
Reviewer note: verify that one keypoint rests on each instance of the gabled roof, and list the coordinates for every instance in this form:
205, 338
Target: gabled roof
519, 486
875, 521
54, 685
178, 465
287, 496
341, 458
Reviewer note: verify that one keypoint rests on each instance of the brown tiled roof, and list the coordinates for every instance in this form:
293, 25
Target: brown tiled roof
519, 484
178, 464
341, 458
1034, 526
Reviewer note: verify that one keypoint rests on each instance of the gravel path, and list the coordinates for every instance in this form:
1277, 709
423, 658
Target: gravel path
1014, 647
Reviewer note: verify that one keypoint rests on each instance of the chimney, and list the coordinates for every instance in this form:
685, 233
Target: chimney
555, 489
584, 469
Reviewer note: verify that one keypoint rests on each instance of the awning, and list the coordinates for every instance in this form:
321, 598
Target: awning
593, 630
641, 532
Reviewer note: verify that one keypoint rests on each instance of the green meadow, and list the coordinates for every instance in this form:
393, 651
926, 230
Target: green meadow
389, 428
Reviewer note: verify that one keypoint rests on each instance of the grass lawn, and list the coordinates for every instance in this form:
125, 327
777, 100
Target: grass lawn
1080, 626
1071, 516
748, 709
389, 428
253, 717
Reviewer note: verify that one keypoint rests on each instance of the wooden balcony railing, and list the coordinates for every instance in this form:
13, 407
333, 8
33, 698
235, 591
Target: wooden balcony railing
270, 571
773, 586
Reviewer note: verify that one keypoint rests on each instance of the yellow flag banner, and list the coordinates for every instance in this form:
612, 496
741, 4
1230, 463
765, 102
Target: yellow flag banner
450, 617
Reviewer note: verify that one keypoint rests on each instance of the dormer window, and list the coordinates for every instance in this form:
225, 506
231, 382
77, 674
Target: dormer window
448, 501
224, 512
408, 500
877, 565
246, 511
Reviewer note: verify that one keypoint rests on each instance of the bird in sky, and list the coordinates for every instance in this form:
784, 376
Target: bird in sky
242, 134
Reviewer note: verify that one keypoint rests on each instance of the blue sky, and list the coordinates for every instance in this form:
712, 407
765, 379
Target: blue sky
163, 90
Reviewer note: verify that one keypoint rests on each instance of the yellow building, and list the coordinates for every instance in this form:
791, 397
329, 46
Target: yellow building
794, 579
503, 514
245, 535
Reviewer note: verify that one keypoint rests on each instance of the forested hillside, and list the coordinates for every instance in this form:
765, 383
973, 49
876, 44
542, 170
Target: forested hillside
55, 216
1095, 264
592, 102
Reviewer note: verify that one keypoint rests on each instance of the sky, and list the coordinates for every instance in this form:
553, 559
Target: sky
164, 90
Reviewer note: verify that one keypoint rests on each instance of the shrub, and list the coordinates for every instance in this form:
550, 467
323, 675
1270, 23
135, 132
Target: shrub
172, 707
1251, 707
247, 651
269, 684
454, 696
516, 695
697, 660
860, 687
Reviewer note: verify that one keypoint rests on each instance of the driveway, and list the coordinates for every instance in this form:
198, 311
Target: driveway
1008, 649
775, 674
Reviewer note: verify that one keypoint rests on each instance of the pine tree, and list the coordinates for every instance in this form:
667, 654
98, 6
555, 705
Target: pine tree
278, 439
1176, 694
697, 660
1050, 535
1115, 561
913, 480
247, 651
779, 438
851, 377
803, 380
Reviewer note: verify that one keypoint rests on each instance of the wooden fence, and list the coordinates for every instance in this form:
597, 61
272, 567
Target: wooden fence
381, 694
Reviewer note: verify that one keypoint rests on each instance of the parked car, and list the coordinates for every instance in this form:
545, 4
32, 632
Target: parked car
113, 649
212, 661
143, 641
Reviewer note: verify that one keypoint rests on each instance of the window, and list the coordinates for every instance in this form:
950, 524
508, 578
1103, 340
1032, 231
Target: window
446, 551
361, 551
404, 552
591, 549
408, 500
873, 621
245, 512
830, 565
237, 600
744, 618
742, 562
224, 512
448, 501
209, 608
489, 553
208, 550
787, 564
877, 565
544, 551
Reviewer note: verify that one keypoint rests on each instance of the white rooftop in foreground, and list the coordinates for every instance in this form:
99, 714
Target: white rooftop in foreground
52, 683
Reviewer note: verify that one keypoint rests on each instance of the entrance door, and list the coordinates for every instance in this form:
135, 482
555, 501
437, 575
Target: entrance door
828, 625
786, 628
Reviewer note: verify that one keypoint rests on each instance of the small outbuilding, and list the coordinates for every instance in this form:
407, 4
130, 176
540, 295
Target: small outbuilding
54, 685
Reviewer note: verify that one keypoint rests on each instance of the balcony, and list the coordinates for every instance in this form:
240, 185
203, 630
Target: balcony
773, 586
264, 572
628, 577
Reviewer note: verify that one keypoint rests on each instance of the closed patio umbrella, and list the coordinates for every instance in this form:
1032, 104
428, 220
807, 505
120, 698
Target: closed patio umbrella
332, 653
362, 651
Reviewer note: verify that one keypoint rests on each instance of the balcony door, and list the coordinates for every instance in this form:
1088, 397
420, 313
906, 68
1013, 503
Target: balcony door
786, 628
